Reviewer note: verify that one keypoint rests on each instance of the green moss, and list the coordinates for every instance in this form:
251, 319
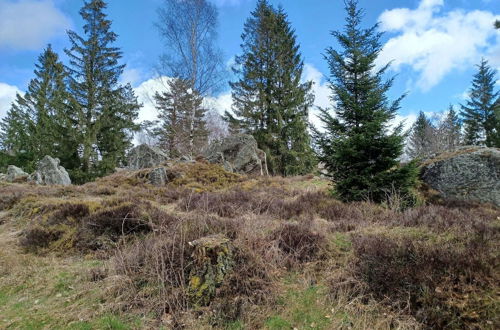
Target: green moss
204, 177
212, 260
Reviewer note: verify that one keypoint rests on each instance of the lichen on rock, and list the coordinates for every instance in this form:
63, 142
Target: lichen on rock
211, 261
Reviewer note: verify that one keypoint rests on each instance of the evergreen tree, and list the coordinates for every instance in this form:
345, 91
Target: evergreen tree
357, 148
104, 110
421, 138
16, 136
270, 101
176, 131
38, 123
449, 131
189, 31
478, 113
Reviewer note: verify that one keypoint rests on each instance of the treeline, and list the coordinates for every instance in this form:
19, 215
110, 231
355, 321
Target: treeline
80, 112
77, 112
477, 122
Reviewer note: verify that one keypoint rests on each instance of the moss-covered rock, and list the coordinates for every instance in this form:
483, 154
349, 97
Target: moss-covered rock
212, 259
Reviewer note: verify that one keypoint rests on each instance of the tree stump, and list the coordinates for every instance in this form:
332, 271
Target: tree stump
212, 259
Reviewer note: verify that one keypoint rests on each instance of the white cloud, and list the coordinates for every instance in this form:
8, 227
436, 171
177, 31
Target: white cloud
131, 76
7, 96
30, 24
145, 93
434, 43
224, 101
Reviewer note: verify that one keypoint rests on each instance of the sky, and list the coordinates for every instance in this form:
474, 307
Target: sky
434, 45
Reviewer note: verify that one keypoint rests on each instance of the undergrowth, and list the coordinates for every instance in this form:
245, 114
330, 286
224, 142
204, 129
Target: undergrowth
299, 258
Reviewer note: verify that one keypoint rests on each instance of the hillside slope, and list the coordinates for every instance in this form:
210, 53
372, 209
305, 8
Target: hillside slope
218, 250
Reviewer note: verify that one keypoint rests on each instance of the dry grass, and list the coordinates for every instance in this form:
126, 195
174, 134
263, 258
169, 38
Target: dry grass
301, 259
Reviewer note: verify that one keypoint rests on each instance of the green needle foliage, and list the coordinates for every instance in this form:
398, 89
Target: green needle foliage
421, 138
270, 100
358, 148
480, 114
39, 122
177, 127
103, 110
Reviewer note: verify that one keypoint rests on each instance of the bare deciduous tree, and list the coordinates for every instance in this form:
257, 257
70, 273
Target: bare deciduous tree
216, 126
188, 28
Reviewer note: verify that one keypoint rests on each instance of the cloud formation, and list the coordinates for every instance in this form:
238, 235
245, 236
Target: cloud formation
30, 24
224, 101
433, 43
7, 96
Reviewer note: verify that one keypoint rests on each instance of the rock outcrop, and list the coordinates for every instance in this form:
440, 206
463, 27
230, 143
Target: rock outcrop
160, 176
49, 172
144, 156
3, 177
238, 154
14, 173
469, 173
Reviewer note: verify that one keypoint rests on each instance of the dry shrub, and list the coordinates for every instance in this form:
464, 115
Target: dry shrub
440, 283
158, 267
298, 243
64, 211
8, 198
67, 227
262, 201
38, 237
441, 218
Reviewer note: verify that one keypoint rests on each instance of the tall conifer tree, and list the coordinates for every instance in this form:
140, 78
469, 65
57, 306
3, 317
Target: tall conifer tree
38, 122
360, 152
421, 138
176, 131
479, 111
449, 130
103, 109
270, 100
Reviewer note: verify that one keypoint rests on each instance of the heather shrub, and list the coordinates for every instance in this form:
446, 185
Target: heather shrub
440, 218
438, 282
224, 204
90, 226
298, 243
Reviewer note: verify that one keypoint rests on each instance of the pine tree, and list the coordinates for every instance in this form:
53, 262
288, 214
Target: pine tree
176, 131
421, 142
478, 113
270, 101
38, 124
103, 109
357, 148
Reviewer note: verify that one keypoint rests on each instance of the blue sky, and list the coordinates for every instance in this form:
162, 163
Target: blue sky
434, 44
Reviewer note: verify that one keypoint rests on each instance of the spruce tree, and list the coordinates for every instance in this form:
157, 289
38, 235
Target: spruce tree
357, 147
421, 142
479, 112
174, 108
270, 100
16, 140
449, 130
104, 110
38, 124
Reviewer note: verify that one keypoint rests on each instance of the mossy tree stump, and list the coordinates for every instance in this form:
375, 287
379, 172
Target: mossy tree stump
212, 259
